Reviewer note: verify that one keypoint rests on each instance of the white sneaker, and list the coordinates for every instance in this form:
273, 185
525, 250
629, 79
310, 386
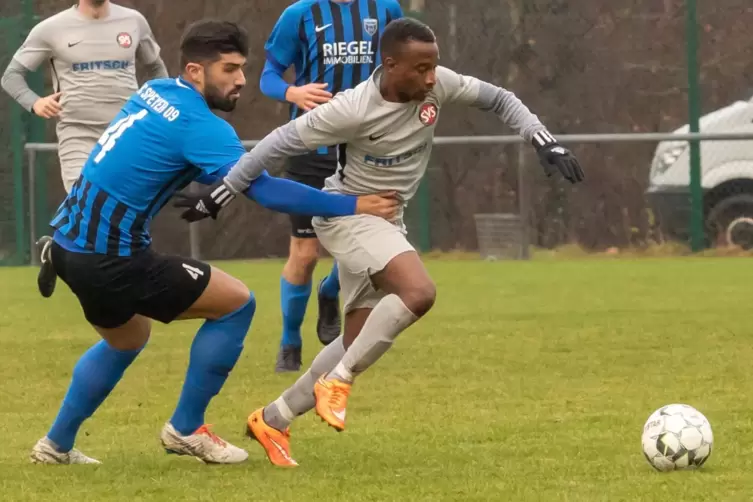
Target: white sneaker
45, 453
202, 444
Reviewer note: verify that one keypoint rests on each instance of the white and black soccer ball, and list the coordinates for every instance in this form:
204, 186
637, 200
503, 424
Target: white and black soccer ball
676, 437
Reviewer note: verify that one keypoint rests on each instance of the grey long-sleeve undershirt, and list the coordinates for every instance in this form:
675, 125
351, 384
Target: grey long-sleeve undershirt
388, 143
157, 69
269, 153
509, 108
14, 83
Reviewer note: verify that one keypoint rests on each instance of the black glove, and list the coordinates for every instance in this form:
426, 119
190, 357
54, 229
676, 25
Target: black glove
554, 156
208, 202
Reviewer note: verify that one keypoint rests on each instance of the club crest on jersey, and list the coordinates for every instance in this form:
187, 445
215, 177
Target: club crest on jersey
370, 26
124, 40
428, 113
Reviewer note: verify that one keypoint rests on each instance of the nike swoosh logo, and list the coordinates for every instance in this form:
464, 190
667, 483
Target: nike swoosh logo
71, 44
339, 414
319, 29
374, 137
279, 448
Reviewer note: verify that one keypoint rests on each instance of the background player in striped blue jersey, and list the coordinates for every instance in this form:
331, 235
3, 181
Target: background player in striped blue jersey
165, 137
334, 46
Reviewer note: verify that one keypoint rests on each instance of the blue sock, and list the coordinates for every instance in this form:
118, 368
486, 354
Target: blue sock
294, 299
94, 376
331, 284
214, 352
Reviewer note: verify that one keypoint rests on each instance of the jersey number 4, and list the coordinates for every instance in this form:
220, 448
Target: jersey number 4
115, 131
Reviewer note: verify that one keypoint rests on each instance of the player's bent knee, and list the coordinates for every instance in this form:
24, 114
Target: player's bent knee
244, 313
303, 265
133, 335
304, 250
223, 296
235, 293
240, 291
304, 255
249, 308
419, 298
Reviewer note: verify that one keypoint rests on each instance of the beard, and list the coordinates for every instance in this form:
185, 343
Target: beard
217, 101
98, 3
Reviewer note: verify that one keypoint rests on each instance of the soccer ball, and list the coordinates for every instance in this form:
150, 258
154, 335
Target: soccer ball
677, 436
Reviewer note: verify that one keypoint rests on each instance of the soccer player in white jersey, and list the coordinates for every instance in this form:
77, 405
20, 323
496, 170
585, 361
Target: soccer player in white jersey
388, 126
92, 49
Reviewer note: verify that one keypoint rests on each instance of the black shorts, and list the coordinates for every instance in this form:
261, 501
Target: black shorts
310, 169
112, 289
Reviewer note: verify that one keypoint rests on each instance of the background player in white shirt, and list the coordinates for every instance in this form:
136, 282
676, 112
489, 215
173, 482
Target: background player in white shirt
92, 49
388, 125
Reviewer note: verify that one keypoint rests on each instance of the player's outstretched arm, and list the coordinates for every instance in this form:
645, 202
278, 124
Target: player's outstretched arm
269, 153
249, 177
514, 113
511, 110
332, 123
286, 196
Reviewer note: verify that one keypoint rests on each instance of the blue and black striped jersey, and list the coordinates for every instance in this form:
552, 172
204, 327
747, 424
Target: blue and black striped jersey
164, 137
336, 43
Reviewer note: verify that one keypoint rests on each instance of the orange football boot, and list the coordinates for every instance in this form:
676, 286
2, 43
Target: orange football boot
331, 400
274, 442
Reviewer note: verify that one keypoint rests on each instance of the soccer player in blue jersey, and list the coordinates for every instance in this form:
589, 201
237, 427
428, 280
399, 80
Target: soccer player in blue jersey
165, 137
334, 46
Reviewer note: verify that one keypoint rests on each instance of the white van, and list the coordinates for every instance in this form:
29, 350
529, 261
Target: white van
726, 179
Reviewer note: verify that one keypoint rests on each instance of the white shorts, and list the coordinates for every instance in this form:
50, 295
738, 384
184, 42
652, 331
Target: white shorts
362, 245
75, 143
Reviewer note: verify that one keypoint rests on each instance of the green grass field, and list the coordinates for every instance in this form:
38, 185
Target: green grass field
528, 381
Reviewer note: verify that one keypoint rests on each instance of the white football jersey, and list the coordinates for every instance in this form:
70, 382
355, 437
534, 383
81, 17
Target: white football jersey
385, 146
93, 61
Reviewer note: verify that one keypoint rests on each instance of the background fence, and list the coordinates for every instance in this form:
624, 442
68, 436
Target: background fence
583, 66
16, 128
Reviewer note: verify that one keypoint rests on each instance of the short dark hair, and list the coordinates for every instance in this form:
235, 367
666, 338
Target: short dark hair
206, 40
403, 30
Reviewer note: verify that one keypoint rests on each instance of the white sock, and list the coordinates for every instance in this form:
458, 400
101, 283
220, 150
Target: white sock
342, 373
285, 412
299, 397
389, 318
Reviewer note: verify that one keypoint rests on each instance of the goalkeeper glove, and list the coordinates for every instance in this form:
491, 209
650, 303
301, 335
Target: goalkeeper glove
554, 156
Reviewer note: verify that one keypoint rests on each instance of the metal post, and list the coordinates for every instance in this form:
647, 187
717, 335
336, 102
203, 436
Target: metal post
524, 204
694, 112
32, 207
34, 133
32, 148
28, 12
423, 199
194, 239
18, 184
